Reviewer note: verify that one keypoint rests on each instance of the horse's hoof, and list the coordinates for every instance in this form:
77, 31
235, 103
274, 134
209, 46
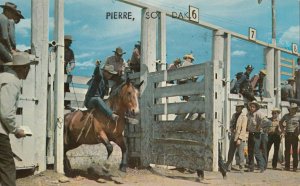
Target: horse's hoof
122, 168
200, 174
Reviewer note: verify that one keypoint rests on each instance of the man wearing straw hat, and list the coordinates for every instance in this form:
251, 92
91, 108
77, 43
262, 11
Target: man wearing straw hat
290, 126
10, 86
274, 136
287, 91
256, 121
6, 48
257, 82
238, 125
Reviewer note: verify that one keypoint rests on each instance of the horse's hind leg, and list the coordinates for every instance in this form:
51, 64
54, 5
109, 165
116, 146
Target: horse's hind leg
102, 136
120, 141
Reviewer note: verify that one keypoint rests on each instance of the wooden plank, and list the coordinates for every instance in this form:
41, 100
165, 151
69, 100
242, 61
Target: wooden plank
134, 76
190, 126
78, 90
180, 73
78, 79
72, 96
287, 66
176, 141
286, 73
287, 60
180, 90
180, 108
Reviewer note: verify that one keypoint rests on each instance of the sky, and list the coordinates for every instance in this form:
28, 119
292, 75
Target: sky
96, 37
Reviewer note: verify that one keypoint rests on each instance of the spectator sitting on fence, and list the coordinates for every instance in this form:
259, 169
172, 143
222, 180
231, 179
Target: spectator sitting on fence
119, 66
6, 49
233, 82
135, 60
257, 82
243, 86
176, 64
287, 91
97, 89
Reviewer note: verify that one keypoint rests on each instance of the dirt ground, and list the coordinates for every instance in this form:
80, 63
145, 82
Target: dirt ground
87, 163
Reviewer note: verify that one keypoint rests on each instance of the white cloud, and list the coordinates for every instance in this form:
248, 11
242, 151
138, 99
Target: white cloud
290, 36
239, 53
84, 64
23, 47
23, 28
84, 55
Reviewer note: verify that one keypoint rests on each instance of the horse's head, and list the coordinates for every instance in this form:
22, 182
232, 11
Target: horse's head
129, 97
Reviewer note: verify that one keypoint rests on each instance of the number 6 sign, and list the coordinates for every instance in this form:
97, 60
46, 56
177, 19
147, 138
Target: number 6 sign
252, 34
294, 48
193, 14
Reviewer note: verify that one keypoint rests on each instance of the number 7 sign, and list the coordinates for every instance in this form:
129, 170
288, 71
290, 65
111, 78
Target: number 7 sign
252, 34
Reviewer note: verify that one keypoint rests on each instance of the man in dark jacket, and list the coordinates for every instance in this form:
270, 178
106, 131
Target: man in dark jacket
243, 85
97, 89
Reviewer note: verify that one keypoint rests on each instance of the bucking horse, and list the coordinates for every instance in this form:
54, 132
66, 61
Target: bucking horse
94, 127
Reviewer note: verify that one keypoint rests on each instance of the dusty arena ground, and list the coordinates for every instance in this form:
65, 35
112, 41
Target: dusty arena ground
88, 162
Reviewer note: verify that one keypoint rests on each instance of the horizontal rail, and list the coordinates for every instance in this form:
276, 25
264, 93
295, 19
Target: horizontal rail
287, 60
179, 108
287, 74
287, 66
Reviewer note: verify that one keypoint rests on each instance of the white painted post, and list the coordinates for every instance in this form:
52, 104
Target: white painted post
269, 79
217, 73
277, 74
39, 43
59, 85
148, 57
227, 117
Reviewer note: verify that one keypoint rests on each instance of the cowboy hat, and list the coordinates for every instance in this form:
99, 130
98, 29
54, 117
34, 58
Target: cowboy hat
275, 109
240, 104
249, 67
110, 69
293, 106
21, 58
119, 51
19, 13
190, 56
177, 60
68, 37
254, 103
263, 71
10, 6
291, 79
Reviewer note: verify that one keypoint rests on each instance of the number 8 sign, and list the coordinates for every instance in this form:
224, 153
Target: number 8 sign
252, 34
294, 48
193, 14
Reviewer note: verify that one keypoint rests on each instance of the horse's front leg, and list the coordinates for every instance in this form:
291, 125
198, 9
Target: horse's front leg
120, 141
103, 138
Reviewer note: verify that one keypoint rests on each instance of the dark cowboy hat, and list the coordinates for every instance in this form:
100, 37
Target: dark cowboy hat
10, 6
177, 60
138, 44
239, 74
19, 13
249, 67
68, 37
119, 51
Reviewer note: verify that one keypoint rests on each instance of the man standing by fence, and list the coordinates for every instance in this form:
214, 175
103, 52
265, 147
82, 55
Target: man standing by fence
10, 86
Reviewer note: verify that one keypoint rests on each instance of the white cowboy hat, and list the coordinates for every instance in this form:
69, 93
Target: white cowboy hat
110, 69
240, 104
21, 58
190, 56
293, 106
275, 109
254, 103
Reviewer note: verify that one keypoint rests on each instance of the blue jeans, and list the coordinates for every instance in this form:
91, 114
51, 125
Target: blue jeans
254, 142
98, 103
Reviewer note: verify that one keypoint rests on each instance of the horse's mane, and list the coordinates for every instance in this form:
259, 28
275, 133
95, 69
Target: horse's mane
116, 91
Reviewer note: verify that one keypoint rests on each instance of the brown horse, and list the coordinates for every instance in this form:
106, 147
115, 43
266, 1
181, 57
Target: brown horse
93, 127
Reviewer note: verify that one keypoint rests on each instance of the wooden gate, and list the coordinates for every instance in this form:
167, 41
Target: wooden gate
189, 142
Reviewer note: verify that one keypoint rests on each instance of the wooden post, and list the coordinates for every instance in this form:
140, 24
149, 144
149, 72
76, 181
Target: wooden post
39, 43
214, 98
227, 78
269, 66
148, 57
277, 74
59, 85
